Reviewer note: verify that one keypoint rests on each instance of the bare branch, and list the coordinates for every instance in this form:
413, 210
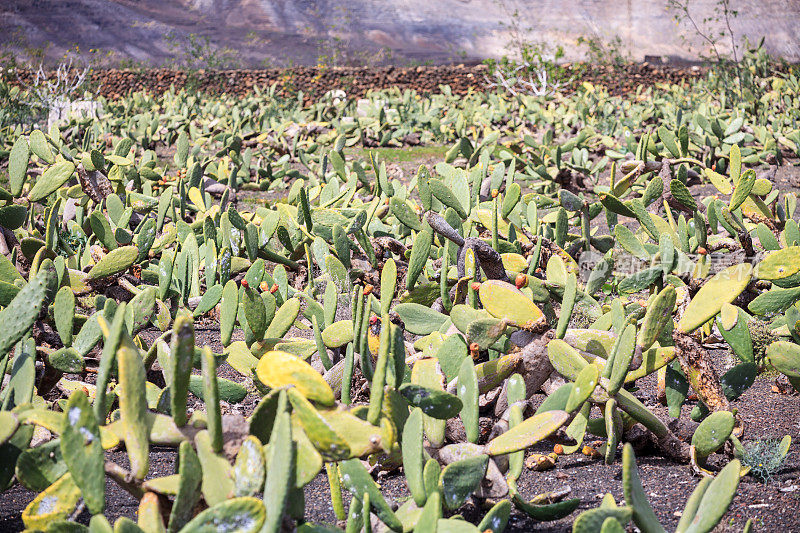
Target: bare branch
51, 88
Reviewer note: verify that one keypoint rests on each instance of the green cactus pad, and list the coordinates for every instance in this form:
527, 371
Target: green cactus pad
643, 514
13, 216
468, 393
133, 407
38, 468
419, 319
565, 359
722, 183
585, 384
420, 251
244, 515
210, 299
445, 194
723, 288
67, 360
657, 316
431, 514
338, 334
217, 482
277, 369
732, 324
229, 306
556, 401
188, 489
18, 165
451, 354
434, 403
18, 317
180, 366
413, 456
773, 301
284, 318
356, 478
64, 314
459, 479
784, 356
592, 521
620, 360
712, 432
118, 260
682, 194
545, 512
280, 471
782, 267
528, 433
140, 310
82, 451
403, 211
426, 373
742, 189
228, 391
332, 446
497, 518
56, 502
52, 178
255, 312
715, 501
388, 285
503, 300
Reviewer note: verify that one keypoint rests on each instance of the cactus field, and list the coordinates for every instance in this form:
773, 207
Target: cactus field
405, 312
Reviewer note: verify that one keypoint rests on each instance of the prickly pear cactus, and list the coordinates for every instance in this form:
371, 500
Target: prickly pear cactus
274, 300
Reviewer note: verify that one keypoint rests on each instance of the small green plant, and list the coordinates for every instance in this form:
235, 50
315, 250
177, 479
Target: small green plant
762, 336
196, 52
604, 52
13, 109
583, 315
765, 457
734, 73
335, 44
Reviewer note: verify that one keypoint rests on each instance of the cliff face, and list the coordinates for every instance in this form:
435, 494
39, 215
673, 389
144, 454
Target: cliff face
281, 32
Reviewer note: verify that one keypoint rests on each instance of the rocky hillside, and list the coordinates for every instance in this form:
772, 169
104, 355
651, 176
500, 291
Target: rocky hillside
284, 32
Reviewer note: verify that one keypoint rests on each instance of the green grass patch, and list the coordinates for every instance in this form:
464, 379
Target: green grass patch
399, 155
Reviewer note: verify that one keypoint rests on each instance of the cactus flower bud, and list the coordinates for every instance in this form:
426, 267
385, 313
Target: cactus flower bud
245, 284
474, 351
521, 281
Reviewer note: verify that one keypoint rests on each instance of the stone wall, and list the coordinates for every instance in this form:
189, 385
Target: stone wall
114, 83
